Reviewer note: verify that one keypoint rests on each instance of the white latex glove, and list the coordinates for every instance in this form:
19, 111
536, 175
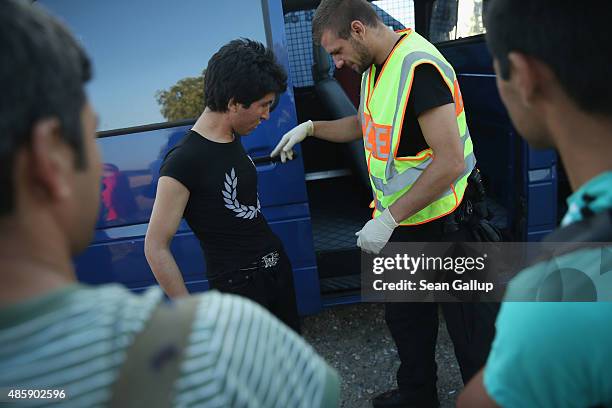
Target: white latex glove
291, 138
376, 233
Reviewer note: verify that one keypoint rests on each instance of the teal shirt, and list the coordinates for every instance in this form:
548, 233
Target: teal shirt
556, 354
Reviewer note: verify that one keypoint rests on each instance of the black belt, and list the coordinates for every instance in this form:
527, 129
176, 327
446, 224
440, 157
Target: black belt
241, 275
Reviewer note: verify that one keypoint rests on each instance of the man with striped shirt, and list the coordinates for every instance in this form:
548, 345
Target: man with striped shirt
103, 346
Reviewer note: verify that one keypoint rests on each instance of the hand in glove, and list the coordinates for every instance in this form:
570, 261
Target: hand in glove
291, 138
376, 233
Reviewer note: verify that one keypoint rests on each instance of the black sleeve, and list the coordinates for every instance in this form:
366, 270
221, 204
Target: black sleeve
175, 166
428, 89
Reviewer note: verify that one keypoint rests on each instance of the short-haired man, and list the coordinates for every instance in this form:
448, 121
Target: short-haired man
63, 340
210, 180
552, 59
420, 157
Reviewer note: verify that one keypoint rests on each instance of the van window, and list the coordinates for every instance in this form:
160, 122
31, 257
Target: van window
454, 19
397, 14
148, 61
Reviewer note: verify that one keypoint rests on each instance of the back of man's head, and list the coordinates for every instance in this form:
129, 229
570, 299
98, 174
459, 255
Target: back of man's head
42, 72
569, 37
243, 70
337, 15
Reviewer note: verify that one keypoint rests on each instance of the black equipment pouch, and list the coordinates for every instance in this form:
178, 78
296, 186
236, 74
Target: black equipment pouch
474, 213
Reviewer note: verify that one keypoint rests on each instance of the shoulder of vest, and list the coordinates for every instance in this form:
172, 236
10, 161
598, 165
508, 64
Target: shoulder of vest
423, 47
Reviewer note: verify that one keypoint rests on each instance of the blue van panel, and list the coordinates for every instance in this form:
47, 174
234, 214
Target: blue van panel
539, 159
540, 188
122, 260
536, 235
541, 216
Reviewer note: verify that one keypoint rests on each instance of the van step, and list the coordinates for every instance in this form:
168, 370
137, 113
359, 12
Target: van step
340, 284
332, 264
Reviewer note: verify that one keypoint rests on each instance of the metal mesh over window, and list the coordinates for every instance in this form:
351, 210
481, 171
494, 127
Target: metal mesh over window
298, 29
398, 14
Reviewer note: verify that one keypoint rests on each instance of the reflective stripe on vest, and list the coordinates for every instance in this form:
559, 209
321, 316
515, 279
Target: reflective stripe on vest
381, 140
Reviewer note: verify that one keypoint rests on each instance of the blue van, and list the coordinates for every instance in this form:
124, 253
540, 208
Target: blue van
149, 58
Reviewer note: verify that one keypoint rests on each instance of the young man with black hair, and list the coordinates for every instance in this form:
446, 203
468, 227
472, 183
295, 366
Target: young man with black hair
420, 160
104, 346
551, 75
210, 181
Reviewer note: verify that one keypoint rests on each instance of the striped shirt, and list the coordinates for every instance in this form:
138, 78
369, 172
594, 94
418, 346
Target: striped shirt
238, 354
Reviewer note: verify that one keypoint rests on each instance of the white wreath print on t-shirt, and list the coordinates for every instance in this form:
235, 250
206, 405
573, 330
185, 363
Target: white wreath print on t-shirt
230, 192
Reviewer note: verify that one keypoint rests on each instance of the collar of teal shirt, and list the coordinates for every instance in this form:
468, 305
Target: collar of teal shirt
595, 194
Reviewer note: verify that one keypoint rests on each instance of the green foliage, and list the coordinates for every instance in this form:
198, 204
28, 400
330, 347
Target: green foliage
184, 100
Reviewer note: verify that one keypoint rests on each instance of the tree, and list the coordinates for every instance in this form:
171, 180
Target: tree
184, 100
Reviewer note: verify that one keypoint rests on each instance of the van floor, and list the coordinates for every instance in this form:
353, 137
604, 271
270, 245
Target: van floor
334, 229
338, 209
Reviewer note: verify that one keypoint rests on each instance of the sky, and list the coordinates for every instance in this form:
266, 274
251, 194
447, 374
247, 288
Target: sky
141, 46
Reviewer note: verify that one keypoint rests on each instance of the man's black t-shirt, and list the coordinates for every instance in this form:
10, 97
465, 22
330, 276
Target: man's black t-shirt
428, 91
223, 209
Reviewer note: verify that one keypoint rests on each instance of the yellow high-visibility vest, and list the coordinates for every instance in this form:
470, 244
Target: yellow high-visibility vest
381, 112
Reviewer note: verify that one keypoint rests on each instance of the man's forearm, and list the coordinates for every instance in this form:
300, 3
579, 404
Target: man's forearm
430, 185
339, 131
167, 272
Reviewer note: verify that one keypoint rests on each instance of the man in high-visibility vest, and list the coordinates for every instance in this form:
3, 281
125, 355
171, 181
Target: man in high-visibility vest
420, 157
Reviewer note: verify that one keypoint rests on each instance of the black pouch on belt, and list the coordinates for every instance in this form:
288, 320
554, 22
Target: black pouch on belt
474, 213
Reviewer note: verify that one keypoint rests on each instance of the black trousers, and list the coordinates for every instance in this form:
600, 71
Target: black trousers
414, 326
269, 285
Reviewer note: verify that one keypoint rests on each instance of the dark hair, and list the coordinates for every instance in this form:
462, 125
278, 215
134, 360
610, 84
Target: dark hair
337, 15
569, 37
242, 69
42, 72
